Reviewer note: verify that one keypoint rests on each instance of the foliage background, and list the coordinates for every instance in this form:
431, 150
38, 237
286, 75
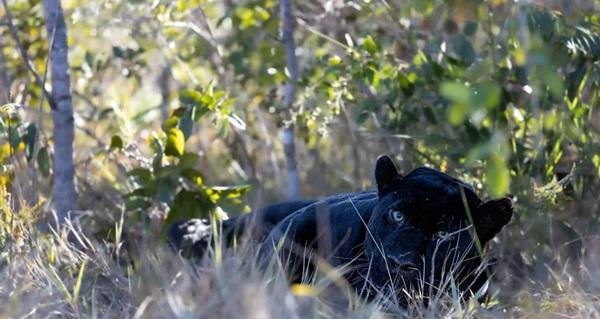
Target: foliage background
179, 112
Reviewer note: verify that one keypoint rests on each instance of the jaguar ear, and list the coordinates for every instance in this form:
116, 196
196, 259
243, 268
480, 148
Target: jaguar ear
386, 174
491, 216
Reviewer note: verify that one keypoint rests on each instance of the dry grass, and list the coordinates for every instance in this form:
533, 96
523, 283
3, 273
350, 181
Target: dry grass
44, 275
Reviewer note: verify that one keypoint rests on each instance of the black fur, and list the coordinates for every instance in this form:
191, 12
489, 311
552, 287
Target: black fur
407, 234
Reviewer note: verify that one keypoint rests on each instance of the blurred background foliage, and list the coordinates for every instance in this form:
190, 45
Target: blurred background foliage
175, 98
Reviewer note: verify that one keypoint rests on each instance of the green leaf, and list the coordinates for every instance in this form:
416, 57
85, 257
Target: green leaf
186, 125
43, 161
236, 121
464, 49
596, 161
9, 108
457, 113
189, 97
147, 192
118, 52
175, 142
334, 60
14, 138
142, 175
89, 58
470, 28
78, 282
116, 143
406, 85
227, 192
362, 117
165, 193
497, 177
29, 140
170, 123
554, 81
193, 175
137, 203
370, 45
156, 146
456, 92
488, 95
168, 173
428, 112
585, 42
189, 204
188, 160
261, 13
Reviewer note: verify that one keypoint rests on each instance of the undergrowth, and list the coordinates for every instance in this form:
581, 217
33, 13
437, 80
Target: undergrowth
43, 274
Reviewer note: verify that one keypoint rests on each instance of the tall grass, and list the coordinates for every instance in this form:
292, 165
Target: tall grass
42, 274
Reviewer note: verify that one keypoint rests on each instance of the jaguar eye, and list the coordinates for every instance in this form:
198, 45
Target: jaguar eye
396, 216
441, 234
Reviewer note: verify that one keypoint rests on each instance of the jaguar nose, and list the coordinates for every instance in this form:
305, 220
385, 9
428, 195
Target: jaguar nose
402, 265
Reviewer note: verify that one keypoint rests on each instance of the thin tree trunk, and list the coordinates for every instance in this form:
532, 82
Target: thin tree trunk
289, 148
4, 77
164, 85
63, 186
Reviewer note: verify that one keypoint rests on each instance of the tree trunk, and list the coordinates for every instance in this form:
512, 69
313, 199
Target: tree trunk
164, 85
4, 77
289, 148
63, 182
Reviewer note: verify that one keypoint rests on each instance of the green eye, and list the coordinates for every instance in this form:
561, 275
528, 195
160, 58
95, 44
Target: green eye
396, 216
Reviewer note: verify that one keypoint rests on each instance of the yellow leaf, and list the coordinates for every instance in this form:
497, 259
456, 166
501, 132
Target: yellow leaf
302, 290
9, 108
175, 142
334, 60
370, 45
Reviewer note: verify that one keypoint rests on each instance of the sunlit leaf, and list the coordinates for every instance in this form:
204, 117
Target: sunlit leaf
457, 113
487, 95
175, 142
236, 121
456, 92
334, 60
370, 45
9, 108
406, 85
193, 175
170, 123
497, 177
189, 97
5, 152
261, 13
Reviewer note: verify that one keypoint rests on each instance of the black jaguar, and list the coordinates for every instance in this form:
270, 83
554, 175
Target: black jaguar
411, 233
